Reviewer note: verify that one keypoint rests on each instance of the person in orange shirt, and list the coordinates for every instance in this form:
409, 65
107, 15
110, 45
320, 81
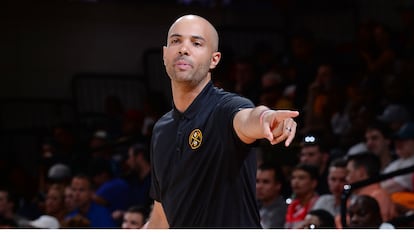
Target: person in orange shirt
363, 166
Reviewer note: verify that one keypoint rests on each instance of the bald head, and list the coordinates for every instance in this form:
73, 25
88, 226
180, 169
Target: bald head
210, 33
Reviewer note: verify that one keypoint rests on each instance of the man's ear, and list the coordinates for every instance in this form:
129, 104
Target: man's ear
215, 59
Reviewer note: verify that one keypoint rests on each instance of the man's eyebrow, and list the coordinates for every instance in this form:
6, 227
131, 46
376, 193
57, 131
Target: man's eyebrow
175, 35
198, 38
193, 37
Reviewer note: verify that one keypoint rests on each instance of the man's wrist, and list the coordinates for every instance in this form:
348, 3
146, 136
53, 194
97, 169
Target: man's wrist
263, 114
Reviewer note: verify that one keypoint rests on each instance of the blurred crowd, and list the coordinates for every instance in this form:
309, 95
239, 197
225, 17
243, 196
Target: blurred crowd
355, 124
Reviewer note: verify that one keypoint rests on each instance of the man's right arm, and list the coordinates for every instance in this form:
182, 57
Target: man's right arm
157, 219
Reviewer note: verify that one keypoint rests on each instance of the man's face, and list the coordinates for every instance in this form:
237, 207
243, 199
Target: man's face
82, 192
301, 183
190, 51
360, 216
353, 174
376, 142
404, 148
267, 188
312, 155
69, 199
132, 220
336, 180
311, 222
54, 201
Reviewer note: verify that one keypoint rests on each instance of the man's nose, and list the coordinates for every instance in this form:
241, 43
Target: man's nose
183, 49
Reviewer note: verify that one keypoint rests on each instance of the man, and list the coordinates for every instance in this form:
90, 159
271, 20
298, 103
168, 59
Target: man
139, 174
363, 166
395, 116
318, 219
364, 213
202, 173
314, 152
272, 206
303, 182
8, 206
110, 191
134, 218
404, 148
336, 181
98, 215
378, 141
70, 203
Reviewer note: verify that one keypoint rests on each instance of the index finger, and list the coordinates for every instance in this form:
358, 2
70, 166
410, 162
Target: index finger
284, 114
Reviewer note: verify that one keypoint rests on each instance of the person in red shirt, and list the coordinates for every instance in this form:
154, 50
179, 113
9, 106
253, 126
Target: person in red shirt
303, 182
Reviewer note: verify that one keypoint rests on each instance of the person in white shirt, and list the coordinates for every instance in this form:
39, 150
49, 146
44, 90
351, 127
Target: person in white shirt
404, 148
336, 181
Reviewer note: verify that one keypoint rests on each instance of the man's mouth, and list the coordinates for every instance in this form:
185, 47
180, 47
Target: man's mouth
183, 64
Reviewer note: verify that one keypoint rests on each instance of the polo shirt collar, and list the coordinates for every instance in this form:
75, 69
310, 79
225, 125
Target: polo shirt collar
199, 103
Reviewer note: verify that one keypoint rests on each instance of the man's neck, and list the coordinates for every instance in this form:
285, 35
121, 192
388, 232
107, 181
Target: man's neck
268, 202
306, 198
184, 94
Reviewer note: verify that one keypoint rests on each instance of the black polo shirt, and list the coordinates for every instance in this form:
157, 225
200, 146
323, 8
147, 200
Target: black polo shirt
203, 175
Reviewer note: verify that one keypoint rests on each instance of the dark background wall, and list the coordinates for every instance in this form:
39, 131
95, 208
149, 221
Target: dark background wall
45, 43
49, 48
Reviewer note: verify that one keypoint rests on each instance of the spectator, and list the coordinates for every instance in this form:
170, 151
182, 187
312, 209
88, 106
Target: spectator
111, 192
324, 96
318, 219
395, 115
378, 141
59, 173
98, 215
8, 206
70, 204
55, 202
304, 181
364, 212
336, 181
135, 217
99, 145
139, 175
363, 166
314, 152
272, 206
404, 148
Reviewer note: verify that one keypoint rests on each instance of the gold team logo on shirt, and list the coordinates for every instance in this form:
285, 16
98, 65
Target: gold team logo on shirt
195, 139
